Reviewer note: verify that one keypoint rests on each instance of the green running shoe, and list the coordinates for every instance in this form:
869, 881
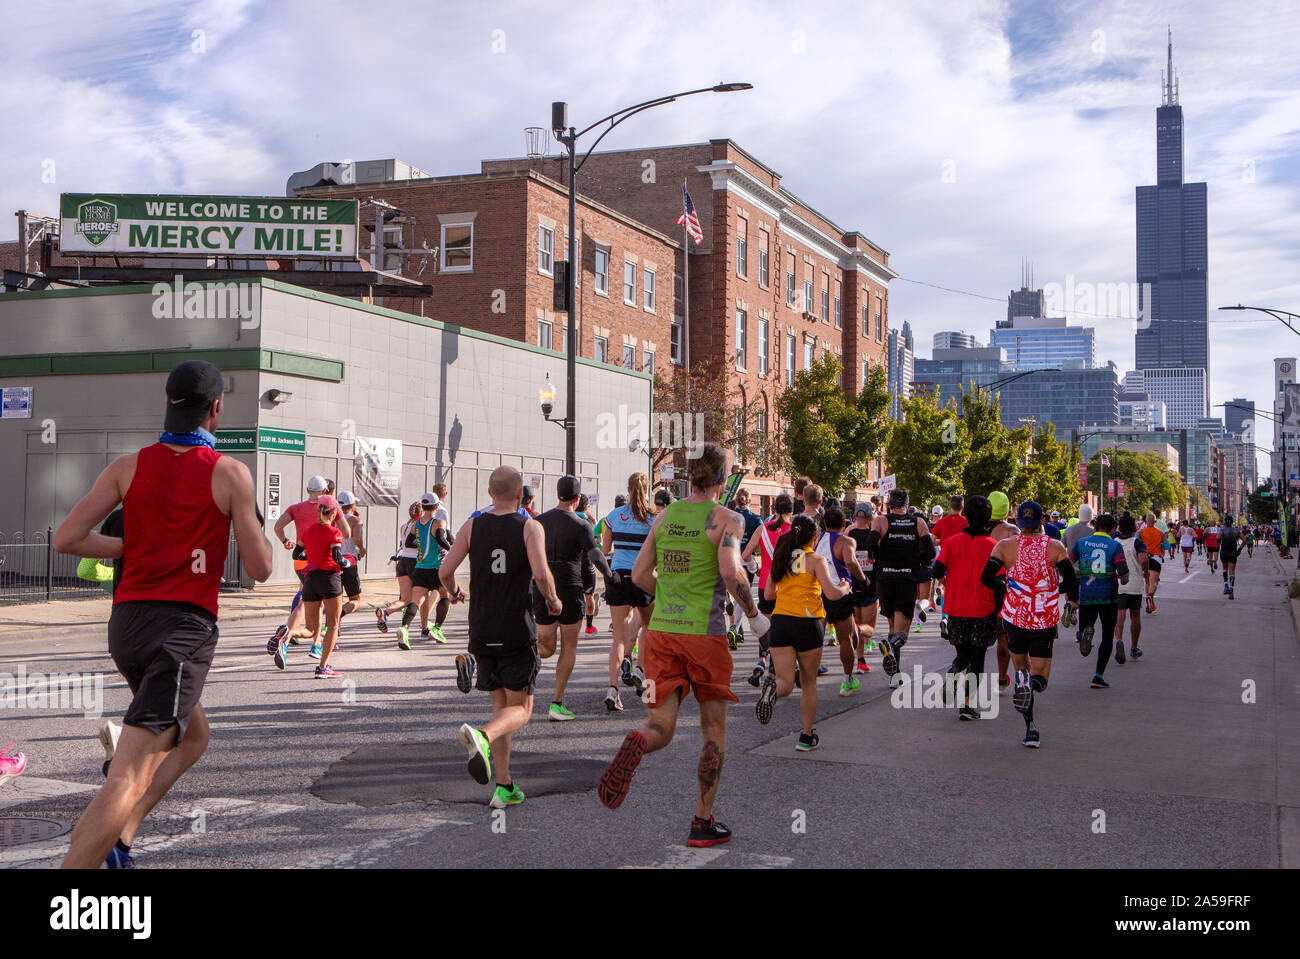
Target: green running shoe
403, 638
635, 650
480, 754
559, 714
435, 632
501, 797
849, 686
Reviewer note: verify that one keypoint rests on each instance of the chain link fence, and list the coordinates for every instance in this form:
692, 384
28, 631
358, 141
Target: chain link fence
32, 572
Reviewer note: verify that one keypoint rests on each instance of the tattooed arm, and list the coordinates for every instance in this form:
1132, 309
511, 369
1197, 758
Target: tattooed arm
727, 529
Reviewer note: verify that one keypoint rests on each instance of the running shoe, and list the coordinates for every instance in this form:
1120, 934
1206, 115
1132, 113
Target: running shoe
708, 832
849, 685
612, 701
731, 637
590, 630
920, 614
798, 683
1004, 682
766, 700
1119, 652
638, 682
616, 780
559, 713
382, 616
635, 650
109, 733
315, 652
117, 859
277, 640
807, 742
282, 656
1137, 653
1150, 605
1225, 589
943, 628
327, 672
480, 753
1085, 640
740, 634
1023, 694
436, 634
833, 640
756, 675
465, 674
502, 797
1099, 683
1154, 607
425, 634
862, 667
1031, 737
11, 765
916, 625
890, 659
403, 638
967, 713
1232, 593
823, 670
295, 640
625, 671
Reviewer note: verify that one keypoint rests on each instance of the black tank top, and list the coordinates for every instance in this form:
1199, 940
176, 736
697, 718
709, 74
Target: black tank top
500, 611
899, 554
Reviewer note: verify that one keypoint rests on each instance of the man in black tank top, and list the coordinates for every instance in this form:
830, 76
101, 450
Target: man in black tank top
506, 551
900, 544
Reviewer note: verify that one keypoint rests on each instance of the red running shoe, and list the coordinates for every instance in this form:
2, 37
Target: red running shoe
617, 777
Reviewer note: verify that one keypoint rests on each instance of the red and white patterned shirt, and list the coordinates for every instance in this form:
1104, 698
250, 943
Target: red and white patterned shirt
1033, 586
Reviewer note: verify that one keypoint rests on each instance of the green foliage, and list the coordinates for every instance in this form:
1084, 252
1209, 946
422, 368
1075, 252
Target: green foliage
828, 436
708, 391
1150, 485
929, 450
1263, 509
1052, 476
996, 453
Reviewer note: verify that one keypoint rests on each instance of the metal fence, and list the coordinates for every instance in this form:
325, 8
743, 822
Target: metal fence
32, 572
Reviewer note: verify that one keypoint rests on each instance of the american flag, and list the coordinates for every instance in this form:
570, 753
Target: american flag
689, 219
1105, 460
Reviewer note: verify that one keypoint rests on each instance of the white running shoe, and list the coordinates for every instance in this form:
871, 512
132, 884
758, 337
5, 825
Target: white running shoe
109, 734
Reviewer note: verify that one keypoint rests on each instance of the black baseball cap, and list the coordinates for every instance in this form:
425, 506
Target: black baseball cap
1029, 516
192, 388
567, 488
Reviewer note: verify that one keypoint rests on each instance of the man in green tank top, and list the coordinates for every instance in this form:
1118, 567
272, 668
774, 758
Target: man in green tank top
690, 562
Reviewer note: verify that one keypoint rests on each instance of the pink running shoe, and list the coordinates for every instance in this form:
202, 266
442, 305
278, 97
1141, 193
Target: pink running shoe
11, 765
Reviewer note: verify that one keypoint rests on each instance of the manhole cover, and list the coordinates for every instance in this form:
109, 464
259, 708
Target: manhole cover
17, 830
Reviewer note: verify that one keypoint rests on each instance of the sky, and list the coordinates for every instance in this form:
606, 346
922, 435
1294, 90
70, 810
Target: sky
960, 137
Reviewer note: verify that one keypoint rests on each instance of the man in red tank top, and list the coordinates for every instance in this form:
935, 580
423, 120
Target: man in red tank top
179, 499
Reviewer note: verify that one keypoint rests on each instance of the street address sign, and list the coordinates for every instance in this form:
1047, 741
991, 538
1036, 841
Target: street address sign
267, 439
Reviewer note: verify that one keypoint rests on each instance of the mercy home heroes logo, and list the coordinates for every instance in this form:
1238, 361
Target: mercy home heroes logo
74, 913
96, 221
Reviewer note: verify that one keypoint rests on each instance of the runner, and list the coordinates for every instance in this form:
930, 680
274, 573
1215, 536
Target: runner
694, 547
1187, 540
630, 607
1073, 533
429, 537
354, 546
1130, 593
588, 571
1102, 570
1212, 547
865, 605
1229, 549
302, 515
765, 544
796, 583
1249, 537
569, 544
406, 557
1000, 529
1199, 535
180, 500
900, 543
1154, 541
505, 550
942, 528
971, 607
1036, 568
839, 610
800, 484
323, 583
752, 521
1054, 528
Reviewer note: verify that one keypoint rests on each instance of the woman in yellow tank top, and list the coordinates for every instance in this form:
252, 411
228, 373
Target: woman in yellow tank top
797, 581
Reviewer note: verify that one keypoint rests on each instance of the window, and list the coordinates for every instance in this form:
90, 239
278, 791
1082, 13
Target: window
839, 322
763, 277
762, 347
545, 249
457, 247
544, 331
760, 422
602, 350
789, 361
807, 305
880, 325
602, 271
629, 283
629, 357
826, 306
675, 341
742, 252
742, 321
789, 289
866, 371
648, 361
808, 349
866, 321
649, 281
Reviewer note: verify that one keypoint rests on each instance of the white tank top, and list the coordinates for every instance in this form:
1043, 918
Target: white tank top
1135, 585
407, 552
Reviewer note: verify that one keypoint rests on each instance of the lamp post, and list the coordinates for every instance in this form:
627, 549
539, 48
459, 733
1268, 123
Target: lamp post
569, 136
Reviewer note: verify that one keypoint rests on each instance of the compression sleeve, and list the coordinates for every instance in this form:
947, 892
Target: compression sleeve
1121, 569
989, 577
927, 549
597, 559
444, 540
336, 551
1069, 581
939, 571
412, 540
873, 541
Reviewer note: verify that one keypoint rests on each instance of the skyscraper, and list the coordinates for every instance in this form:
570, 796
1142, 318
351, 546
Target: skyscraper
901, 356
953, 340
1172, 262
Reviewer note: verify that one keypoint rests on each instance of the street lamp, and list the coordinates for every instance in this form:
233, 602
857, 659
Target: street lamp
547, 396
1282, 316
569, 136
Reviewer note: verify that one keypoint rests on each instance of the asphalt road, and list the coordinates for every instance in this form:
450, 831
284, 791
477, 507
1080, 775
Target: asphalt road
1169, 767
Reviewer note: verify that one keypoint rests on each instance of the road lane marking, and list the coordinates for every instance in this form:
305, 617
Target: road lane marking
1189, 576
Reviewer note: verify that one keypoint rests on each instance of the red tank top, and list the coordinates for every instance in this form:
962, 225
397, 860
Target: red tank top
1033, 586
169, 517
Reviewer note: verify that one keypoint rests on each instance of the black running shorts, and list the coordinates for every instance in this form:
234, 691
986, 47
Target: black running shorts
1227, 556
802, 632
405, 566
163, 650
321, 584
765, 606
1034, 642
426, 579
627, 593
1154, 563
838, 610
352, 581
514, 671
571, 598
896, 596
978, 632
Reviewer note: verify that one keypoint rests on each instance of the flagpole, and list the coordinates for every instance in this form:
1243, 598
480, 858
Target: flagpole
686, 296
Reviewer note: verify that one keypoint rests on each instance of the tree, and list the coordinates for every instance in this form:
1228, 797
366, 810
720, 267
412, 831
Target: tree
927, 452
1262, 507
705, 405
996, 453
1201, 505
828, 436
1150, 485
1051, 477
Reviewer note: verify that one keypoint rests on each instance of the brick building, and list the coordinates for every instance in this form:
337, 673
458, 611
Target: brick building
774, 283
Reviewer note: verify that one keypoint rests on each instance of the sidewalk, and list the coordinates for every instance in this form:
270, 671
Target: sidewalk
234, 606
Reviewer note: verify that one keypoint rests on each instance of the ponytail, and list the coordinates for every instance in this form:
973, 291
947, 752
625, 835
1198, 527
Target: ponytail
638, 486
801, 533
